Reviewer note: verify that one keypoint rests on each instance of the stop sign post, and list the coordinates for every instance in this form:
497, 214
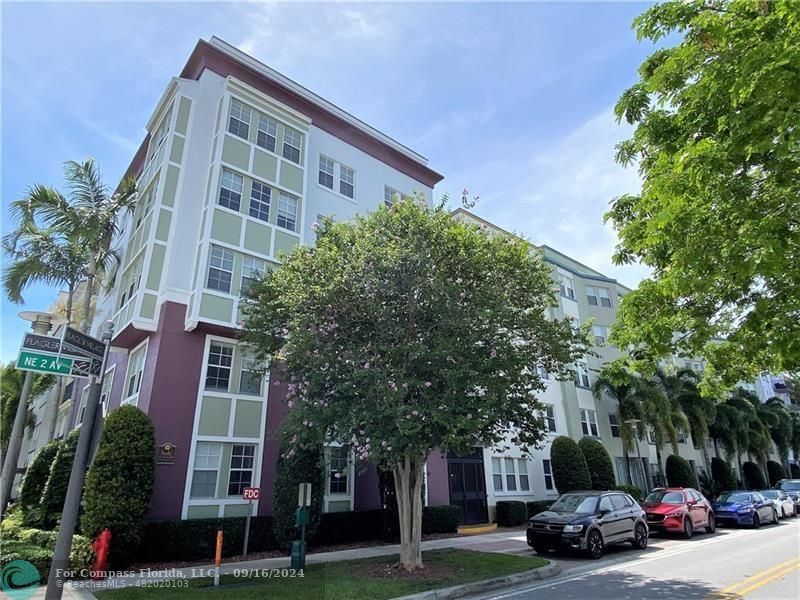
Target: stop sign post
249, 494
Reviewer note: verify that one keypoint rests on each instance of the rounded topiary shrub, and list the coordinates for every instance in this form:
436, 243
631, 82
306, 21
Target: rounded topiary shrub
776, 472
297, 465
601, 470
570, 471
795, 469
722, 474
120, 482
679, 472
30, 492
510, 513
55, 490
753, 476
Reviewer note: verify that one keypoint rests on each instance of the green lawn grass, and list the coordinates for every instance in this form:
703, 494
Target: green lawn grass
347, 580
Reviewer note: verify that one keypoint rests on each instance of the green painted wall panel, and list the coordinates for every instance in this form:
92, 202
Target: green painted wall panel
215, 307
226, 227
236, 510
291, 177
224, 471
247, 420
182, 123
285, 242
156, 267
265, 165
215, 416
162, 228
257, 237
339, 506
203, 512
176, 153
236, 152
148, 310
170, 186
236, 278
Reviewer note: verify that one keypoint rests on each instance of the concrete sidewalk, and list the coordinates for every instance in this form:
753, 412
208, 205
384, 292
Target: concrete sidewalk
506, 542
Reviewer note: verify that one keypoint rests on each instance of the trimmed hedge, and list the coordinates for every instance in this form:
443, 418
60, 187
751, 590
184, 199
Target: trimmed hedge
679, 472
305, 465
753, 476
440, 519
534, 508
601, 470
722, 474
795, 469
776, 472
570, 471
195, 539
55, 490
632, 490
350, 526
30, 492
510, 513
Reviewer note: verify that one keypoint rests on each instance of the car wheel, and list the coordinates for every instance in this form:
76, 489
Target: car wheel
640, 537
756, 521
688, 528
783, 513
541, 549
774, 516
594, 544
712, 524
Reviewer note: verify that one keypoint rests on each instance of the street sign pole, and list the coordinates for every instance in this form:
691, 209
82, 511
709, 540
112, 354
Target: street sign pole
247, 527
69, 515
41, 324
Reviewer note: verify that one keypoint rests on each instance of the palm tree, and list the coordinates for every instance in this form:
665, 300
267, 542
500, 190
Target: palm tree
781, 428
729, 430
699, 411
658, 415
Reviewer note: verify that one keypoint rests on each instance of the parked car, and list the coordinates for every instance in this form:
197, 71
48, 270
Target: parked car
741, 507
792, 488
781, 501
678, 510
588, 521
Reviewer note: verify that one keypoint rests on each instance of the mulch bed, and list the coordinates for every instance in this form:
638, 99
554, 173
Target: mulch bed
395, 571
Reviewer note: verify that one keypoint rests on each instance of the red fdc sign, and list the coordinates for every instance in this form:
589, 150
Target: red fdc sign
251, 493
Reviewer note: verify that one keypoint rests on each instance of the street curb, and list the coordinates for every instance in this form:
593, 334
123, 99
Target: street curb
487, 585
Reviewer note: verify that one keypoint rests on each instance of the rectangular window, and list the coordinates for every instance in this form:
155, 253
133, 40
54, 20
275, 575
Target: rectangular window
82, 407
251, 375
267, 133
566, 287
581, 375
218, 372
497, 474
548, 474
511, 477
338, 469
347, 181
522, 471
239, 120
220, 269
241, 475
252, 269
543, 374
390, 196
326, 172
260, 196
550, 418
105, 391
206, 467
230, 190
291, 145
600, 333
589, 422
613, 422
287, 212
598, 296
133, 380
682, 437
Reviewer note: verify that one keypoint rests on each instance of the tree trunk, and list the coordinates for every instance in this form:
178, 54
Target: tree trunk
627, 463
706, 459
70, 298
662, 477
739, 465
91, 271
55, 400
408, 478
716, 448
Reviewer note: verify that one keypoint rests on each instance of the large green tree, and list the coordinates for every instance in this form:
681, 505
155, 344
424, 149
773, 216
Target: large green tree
718, 215
406, 330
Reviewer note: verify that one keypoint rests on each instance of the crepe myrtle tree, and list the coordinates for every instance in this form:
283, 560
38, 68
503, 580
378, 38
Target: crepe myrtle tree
407, 330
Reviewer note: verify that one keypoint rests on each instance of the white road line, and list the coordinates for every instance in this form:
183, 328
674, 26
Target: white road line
628, 564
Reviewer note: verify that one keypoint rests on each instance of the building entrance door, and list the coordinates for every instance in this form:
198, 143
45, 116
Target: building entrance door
468, 486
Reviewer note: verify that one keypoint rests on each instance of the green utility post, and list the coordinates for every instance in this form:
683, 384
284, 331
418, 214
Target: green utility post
301, 521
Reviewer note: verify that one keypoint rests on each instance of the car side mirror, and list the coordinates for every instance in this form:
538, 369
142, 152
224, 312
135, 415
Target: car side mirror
692, 502
604, 512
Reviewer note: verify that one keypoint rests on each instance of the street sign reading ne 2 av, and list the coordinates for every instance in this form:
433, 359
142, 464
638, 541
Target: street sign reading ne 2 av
45, 354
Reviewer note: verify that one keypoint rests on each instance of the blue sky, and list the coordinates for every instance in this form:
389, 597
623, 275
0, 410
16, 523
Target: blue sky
513, 101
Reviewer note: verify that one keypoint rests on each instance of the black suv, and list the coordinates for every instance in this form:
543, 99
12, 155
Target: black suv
589, 521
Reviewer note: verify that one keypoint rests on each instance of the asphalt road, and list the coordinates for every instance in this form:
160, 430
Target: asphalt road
731, 564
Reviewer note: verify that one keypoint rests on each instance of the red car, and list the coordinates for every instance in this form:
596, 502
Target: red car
678, 510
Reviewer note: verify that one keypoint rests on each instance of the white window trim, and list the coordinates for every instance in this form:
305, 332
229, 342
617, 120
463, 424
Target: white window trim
519, 465
337, 170
107, 379
134, 398
281, 195
209, 266
80, 415
589, 412
217, 470
562, 281
231, 469
349, 496
547, 405
545, 475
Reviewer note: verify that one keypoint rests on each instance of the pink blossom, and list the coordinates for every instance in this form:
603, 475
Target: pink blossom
389, 449
290, 404
451, 359
366, 365
493, 353
415, 412
428, 384
459, 280
462, 295
315, 226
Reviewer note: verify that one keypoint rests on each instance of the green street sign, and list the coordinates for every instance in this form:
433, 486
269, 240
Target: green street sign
43, 363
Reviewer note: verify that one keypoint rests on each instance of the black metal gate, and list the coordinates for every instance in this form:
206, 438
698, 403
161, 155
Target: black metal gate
468, 486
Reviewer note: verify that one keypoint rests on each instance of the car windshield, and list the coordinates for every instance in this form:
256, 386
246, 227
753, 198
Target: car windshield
734, 498
770, 494
575, 503
664, 497
790, 486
